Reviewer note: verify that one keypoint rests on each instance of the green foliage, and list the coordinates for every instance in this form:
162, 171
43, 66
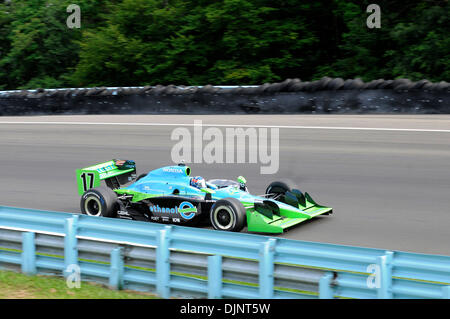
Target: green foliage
39, 45
196, 42
423, 45
413, 41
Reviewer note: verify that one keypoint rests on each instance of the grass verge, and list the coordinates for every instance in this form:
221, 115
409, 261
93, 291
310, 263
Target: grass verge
19, 286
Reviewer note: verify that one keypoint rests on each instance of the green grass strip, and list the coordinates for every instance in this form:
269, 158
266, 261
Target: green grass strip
19, 286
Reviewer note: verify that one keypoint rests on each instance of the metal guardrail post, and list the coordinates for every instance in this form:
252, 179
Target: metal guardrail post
325, 289
116, 269
385, 264
163, 262
215, 277
28, 253
70, 244
266, 267
446, 292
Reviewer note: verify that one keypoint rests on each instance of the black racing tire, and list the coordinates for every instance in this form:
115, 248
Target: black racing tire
141, 176
228, 214
99, 201
279, 187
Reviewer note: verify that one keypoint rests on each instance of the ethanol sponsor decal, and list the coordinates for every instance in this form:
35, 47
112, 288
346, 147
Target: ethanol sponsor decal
186, 210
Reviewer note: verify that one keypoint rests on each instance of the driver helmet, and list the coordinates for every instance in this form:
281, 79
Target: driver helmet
242, 181
198, 182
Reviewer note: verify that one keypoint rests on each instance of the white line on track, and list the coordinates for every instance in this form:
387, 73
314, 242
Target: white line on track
233, 125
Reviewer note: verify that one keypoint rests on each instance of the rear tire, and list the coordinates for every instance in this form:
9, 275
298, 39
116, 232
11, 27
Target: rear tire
228, 214
99, 201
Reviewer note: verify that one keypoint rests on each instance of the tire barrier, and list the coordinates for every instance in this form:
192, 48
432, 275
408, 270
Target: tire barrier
326, 95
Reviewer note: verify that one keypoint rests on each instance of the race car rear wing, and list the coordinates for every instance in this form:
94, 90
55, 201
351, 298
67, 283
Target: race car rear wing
115, 173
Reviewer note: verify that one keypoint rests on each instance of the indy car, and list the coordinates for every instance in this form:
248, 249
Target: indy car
171, 195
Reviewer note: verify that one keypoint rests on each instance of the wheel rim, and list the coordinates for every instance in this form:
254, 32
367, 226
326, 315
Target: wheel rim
92, 206
223, 217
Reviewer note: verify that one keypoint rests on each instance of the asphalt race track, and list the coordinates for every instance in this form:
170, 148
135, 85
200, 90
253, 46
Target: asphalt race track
387, 177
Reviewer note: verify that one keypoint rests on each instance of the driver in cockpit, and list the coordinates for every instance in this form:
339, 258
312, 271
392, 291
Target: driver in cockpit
198, 182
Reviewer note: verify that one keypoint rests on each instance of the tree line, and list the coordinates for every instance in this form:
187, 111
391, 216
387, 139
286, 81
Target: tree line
198, 42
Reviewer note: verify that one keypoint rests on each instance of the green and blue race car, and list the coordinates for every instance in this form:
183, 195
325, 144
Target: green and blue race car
170, 195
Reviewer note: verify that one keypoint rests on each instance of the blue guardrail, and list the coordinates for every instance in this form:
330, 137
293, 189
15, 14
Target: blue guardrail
331, 271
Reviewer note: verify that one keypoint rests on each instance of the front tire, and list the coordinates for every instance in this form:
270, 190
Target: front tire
228, 214
278, 188
99, 201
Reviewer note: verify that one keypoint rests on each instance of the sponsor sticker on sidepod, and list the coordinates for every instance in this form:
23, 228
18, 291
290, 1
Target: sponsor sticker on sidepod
186, 209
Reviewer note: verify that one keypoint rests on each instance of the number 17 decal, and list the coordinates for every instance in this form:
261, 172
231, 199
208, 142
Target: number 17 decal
87, 178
